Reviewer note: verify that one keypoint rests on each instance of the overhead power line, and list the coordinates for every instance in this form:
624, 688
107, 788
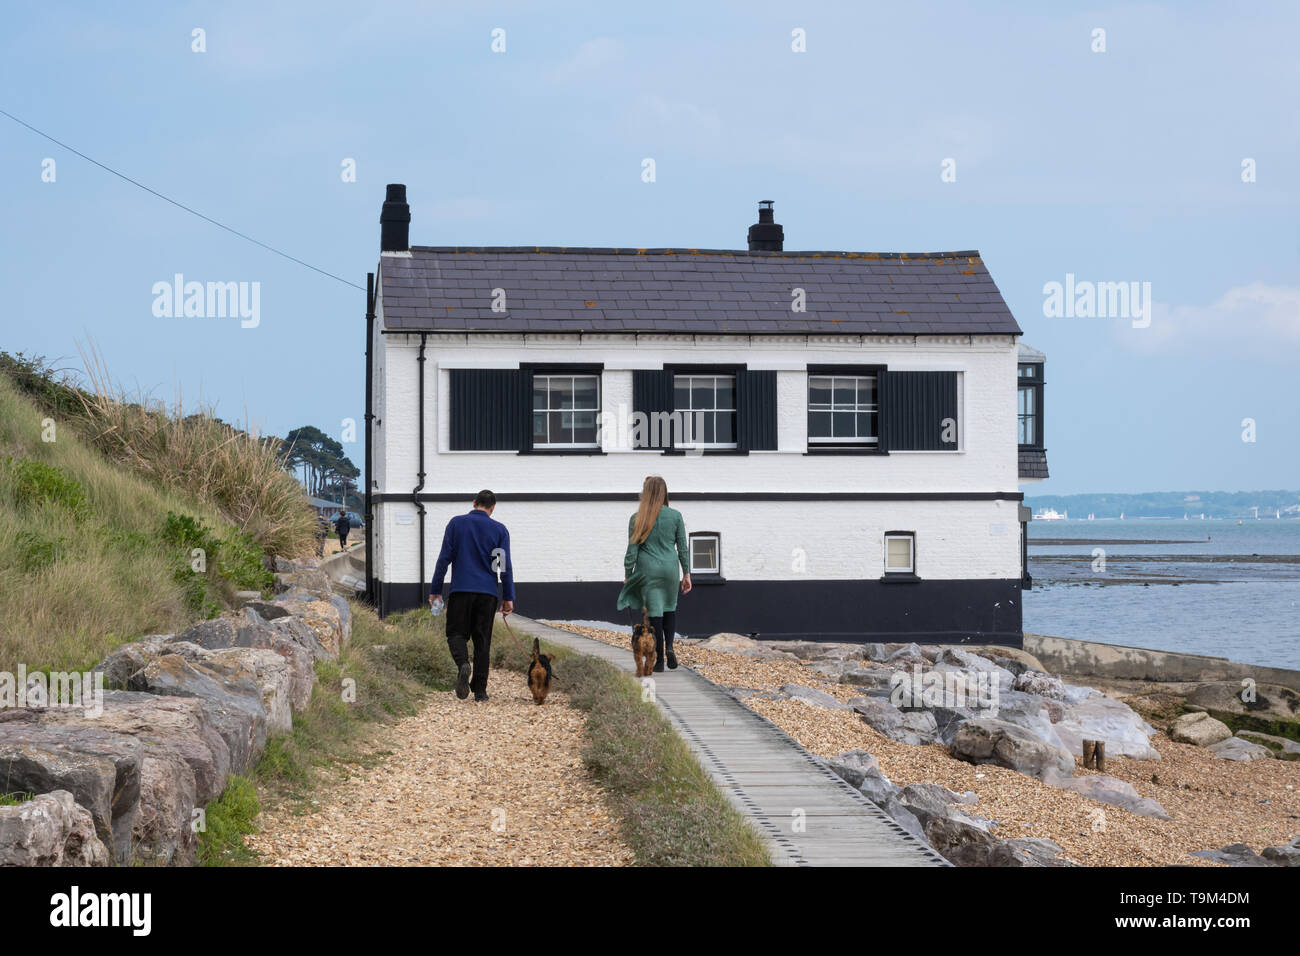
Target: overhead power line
177, 204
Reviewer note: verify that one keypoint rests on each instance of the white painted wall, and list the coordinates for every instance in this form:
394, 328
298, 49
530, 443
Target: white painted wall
841, 539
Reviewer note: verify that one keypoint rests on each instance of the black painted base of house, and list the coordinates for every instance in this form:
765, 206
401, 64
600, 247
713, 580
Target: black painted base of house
924, 611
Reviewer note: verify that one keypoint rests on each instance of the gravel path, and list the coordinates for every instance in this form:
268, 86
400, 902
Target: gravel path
494, 784
1213, 802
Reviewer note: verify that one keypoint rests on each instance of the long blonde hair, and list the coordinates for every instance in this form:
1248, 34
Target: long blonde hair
654, 495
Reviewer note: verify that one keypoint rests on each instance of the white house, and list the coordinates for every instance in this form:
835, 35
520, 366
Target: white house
840, 429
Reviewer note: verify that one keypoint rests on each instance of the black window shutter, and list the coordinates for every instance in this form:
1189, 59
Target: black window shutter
652, 392
491, 409
914, 407
756, 409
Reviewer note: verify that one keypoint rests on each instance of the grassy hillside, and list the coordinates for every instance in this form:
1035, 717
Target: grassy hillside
96, 546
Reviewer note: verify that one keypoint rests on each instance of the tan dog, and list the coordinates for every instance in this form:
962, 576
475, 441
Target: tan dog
539, 674
643, 646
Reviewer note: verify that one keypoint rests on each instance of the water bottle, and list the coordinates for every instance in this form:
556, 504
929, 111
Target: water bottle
436, 609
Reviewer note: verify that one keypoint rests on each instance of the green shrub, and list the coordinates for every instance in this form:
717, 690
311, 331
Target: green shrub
36, 552
240, 561
36, 484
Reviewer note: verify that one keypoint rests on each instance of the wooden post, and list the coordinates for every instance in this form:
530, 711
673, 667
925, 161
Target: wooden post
1099, 755
1089, 749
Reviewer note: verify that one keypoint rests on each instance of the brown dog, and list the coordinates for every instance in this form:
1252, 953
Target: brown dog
643, 646
539, 674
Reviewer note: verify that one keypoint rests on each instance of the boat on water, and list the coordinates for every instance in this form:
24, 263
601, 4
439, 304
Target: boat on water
1050, 514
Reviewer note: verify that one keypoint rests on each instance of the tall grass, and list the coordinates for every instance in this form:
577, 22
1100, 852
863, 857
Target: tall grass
240, 472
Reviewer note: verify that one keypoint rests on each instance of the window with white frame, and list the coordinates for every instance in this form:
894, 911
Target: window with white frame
900, 552
706, 553
843, 410
566, 409
707, 403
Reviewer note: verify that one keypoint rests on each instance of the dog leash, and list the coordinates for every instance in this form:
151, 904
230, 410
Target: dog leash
506, 621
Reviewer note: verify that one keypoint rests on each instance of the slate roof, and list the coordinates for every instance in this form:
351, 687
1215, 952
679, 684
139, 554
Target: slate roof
1033, 463
691, 290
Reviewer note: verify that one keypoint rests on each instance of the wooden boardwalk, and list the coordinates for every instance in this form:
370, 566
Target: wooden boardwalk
809, 816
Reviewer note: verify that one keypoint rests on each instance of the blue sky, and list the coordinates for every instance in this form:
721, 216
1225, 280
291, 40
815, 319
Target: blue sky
1117, 166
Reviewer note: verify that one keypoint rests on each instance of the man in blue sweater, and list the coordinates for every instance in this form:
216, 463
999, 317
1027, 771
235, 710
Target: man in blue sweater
478, 550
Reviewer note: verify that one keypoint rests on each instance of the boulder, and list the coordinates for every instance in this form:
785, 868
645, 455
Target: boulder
817, 698
1027, 851
933, 798
1111, 790
51, 829
1284, 748
1040, 684
819, 650
1234, 854
915, 727
126, 659
312, 580
1198, 729
1237, 748
948, 719
1095, 716
1265, 700
853, 766
179, 726
1288, 855
283, 565
986, 740
906, 654
300, 633
227, 632
875, 679
1028, 711
320, 615
161, 833
99, 768
954, 658
739, 644
234, 703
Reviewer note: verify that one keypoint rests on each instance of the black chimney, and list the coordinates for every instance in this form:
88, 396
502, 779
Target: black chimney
766, 235
395, 221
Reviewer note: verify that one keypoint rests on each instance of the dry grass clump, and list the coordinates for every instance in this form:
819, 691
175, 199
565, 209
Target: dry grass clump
239, 472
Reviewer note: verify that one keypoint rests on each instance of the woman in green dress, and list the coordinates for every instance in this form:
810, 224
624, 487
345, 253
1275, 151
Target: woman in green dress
656, 547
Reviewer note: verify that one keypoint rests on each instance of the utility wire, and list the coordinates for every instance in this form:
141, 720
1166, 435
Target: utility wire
178, 205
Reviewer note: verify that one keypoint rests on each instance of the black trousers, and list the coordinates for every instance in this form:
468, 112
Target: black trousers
469, 618
343, 539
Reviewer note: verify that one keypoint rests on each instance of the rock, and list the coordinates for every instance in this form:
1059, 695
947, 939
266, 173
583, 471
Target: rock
1040, 684
318, 614
1267, 699
300, 633
50, 829
818, 650
1288, 855
853, 767
1283, 748
915, 727
243, 597
125, 660
264, 611
831, 669
226, 633
1111, 790
955, 658
903, 817
235, 704
906, 654
1027, 851
936, 799
1097, 717
1028, 711
876, 678
860, 770
739, 644
312, 580
1234, 854
283, 565
1237, 748
948, 719
179, 726
986, 740
99, 768
1198, 729
817, 698
162, 833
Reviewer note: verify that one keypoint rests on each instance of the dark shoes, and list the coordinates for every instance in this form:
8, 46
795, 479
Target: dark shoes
480, 698
462, 680
672, 661
659, 665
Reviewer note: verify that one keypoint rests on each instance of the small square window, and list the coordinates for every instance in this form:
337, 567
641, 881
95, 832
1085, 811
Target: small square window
900, 556
705, 554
